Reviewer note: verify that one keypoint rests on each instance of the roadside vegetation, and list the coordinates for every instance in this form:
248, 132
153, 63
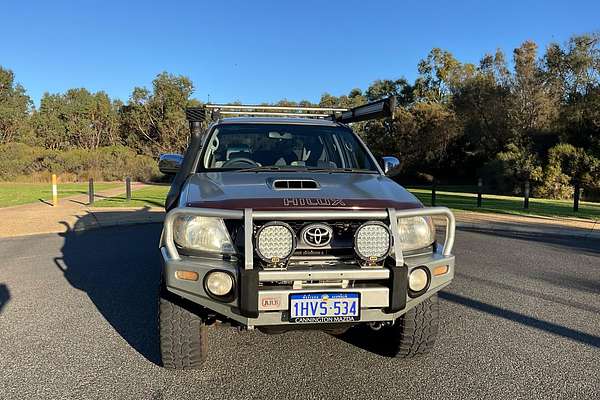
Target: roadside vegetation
151, 196
534, 118
14, 194
21, 162
508, 204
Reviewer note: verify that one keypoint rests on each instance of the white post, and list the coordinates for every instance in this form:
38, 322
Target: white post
54, 191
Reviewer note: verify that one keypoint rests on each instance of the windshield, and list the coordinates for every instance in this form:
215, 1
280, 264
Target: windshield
258, 146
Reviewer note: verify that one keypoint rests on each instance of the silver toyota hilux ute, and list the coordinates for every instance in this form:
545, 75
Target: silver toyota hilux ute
289, 222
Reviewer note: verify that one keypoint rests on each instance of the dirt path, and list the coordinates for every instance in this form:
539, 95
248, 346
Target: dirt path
71, 213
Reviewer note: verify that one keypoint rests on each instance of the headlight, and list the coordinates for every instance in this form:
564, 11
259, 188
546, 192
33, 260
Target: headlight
415, 232
202, 233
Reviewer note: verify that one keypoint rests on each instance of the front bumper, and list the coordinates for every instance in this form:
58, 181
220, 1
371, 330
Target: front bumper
383, 291
271, 303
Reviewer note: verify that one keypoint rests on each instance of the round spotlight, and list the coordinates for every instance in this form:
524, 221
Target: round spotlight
418, 281
275, 242
218, 283
372, 241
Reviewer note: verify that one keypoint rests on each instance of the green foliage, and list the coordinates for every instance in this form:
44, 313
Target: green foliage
567, 165
511, 168
14, 109
76, 119
153, 122
106, 163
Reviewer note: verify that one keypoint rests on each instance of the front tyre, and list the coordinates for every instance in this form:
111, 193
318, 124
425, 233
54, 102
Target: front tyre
411, 334
415, 332
182, 334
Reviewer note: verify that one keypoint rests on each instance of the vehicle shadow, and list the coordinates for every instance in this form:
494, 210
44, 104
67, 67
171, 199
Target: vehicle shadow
581, 244
362, 338
368, 340
4, 296
119, 269
528, 292
575, 335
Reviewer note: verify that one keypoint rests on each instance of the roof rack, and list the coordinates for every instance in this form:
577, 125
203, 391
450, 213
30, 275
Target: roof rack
376, 109
218, 110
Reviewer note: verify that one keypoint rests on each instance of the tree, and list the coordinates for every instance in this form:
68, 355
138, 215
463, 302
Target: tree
154, 121
439, 75
567, 166
574, 73
534, 107
419, 136
482, 103
77, 118
14, 108
400, 88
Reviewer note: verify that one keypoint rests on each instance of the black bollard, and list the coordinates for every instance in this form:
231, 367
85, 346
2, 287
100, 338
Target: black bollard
128, 188
433, 189
91, 192
576, 197
479, 191
526, 195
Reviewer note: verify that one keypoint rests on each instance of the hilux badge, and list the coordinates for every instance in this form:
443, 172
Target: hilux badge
317, 235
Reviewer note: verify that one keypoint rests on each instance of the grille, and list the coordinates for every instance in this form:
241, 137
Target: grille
340, 249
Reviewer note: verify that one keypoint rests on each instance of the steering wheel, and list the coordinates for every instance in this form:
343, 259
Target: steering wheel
240, 160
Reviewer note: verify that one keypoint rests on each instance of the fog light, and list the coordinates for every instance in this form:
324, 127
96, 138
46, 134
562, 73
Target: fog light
218, 283
418, 281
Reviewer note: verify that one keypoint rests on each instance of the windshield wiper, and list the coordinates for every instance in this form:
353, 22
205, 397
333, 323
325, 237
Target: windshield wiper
271, 168
339, 170
303, 169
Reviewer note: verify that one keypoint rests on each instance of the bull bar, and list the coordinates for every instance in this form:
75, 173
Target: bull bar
377, 301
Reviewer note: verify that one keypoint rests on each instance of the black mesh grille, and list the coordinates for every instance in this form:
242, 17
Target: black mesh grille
295, 184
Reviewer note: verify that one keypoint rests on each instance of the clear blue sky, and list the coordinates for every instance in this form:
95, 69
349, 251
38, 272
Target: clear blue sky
255, 51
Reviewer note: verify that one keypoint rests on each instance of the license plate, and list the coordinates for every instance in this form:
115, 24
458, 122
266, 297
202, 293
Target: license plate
324, 307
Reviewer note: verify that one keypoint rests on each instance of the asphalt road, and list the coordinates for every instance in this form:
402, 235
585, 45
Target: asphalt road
78, 320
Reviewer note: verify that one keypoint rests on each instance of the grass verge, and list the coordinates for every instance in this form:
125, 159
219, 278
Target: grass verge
509, 204
14, 194
150, 196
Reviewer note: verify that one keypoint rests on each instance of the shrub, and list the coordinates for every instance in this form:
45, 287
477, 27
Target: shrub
20, 161
566, 165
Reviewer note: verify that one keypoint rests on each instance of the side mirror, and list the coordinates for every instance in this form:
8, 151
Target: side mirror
390, 165
169, 164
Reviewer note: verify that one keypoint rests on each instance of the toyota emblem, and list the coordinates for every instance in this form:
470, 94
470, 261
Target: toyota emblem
317, 235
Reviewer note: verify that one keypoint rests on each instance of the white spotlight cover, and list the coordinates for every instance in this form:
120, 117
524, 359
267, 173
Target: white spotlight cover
275, 242
372, 241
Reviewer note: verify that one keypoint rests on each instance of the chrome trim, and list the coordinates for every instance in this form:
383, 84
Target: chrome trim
248, 215
248, 234
323, 274
305, 234
398, 256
